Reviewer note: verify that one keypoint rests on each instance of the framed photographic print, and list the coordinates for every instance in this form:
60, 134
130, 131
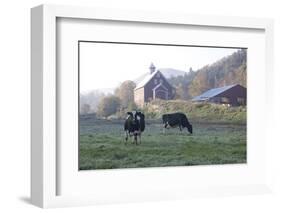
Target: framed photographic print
180, 115
146, 105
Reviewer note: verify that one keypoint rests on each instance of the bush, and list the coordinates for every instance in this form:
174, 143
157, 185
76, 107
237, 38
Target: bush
108, 106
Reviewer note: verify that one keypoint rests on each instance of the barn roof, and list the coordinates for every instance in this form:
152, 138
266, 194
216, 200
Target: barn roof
212, 93
146, 79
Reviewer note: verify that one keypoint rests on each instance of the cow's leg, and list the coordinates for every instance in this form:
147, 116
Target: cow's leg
136, 138
165, 127
126, 137
180, 127
140, 137
132, 138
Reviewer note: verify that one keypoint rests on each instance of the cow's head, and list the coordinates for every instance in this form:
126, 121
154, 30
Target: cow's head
189, 128
140, 115
129, 115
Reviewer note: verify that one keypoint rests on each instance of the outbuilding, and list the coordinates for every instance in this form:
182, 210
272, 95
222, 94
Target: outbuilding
234, 95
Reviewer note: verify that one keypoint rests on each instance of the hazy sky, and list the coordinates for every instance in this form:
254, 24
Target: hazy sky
104, 65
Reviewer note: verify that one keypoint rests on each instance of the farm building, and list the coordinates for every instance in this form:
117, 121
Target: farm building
234, 95
153, 86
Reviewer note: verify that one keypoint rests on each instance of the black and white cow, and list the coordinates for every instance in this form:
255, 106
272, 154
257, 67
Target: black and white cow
177, 119
134, 125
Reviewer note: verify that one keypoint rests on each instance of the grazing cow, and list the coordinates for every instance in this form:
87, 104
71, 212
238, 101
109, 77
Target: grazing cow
134, 125
176, 120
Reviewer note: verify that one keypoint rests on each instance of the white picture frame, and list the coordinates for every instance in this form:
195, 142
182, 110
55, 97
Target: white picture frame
44, 155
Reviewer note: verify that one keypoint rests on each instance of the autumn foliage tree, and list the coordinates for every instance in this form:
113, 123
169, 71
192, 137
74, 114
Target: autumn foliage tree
125, 92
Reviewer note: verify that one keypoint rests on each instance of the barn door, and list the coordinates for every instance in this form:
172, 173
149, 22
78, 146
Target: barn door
161, 94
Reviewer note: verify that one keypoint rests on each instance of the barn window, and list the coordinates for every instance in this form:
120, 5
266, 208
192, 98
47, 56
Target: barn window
225, 100
241, 101
155, 81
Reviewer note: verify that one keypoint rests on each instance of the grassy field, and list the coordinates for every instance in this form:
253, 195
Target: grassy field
102, 145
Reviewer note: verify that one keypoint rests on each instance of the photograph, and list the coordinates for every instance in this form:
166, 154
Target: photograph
161, 105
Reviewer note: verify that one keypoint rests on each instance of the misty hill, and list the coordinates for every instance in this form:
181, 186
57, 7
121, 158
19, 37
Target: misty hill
167, 72
89, 101
170, 72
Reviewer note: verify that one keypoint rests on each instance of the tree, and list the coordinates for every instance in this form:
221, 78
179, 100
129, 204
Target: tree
125, 92
199, 83
131, 106
108, 106
181, 83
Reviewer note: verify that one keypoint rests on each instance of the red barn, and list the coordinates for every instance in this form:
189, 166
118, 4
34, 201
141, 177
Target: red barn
153, 86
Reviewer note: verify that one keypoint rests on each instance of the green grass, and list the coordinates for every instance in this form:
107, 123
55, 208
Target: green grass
102, 145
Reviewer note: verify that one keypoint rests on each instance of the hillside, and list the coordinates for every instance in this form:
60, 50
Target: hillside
226, 71
197, 112
229, 70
